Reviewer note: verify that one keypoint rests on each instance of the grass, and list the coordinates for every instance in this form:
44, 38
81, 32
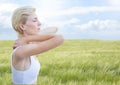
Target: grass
76, 62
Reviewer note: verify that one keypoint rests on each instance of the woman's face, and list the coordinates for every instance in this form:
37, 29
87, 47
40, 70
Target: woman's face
32, 25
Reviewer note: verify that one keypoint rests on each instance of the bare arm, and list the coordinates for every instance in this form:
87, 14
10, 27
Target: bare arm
36, 38
49, 30
40, 47
42, 36
45, 34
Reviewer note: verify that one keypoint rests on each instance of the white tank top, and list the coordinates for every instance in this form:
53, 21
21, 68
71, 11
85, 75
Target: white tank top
28, 76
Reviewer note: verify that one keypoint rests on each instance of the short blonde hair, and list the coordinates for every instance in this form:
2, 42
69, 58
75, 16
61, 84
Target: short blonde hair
20, 16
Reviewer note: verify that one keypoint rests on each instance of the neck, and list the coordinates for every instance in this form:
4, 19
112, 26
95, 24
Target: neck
22, 35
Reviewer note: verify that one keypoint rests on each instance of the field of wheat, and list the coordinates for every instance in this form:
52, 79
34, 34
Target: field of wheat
76, 62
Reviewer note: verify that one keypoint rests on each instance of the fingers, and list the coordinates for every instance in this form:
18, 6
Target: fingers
16, 44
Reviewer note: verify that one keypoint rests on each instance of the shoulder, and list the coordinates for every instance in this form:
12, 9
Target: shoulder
15, 49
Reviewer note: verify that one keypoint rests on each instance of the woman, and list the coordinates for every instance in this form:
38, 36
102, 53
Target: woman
31, 41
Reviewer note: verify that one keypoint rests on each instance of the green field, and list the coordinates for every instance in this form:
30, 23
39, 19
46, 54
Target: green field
76, 62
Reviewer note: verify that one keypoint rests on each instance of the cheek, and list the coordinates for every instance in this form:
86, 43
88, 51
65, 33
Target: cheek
31, 26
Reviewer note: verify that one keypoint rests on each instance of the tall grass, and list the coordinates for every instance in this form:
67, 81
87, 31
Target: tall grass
76, 62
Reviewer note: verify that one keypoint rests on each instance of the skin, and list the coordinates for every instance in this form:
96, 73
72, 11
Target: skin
33, 42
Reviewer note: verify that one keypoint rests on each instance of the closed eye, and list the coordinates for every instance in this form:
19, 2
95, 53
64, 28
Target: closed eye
35, 19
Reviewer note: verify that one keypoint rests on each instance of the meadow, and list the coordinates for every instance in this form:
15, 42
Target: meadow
76, 62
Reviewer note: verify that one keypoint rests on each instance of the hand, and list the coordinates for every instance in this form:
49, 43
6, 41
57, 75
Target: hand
18, 43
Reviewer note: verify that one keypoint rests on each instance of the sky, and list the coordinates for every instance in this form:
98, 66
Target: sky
75, 19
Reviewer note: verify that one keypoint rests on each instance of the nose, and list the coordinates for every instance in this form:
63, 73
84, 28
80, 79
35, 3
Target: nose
39, 23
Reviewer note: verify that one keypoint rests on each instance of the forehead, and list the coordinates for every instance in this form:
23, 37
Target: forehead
32, 16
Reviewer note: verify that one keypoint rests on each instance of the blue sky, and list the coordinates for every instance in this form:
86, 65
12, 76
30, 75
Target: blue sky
76, 19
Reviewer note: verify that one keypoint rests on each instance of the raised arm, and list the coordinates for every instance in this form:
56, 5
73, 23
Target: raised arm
43, 35
39, 47
49, 30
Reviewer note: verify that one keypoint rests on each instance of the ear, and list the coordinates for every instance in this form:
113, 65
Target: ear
22, 26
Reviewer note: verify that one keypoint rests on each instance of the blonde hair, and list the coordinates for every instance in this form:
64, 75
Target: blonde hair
20, 16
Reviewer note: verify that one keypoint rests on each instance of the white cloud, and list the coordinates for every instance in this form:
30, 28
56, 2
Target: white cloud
99, 25
48, 5
61, 23
7, 7
74, 20
114, 2
6, 10
84, 10
78, 10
